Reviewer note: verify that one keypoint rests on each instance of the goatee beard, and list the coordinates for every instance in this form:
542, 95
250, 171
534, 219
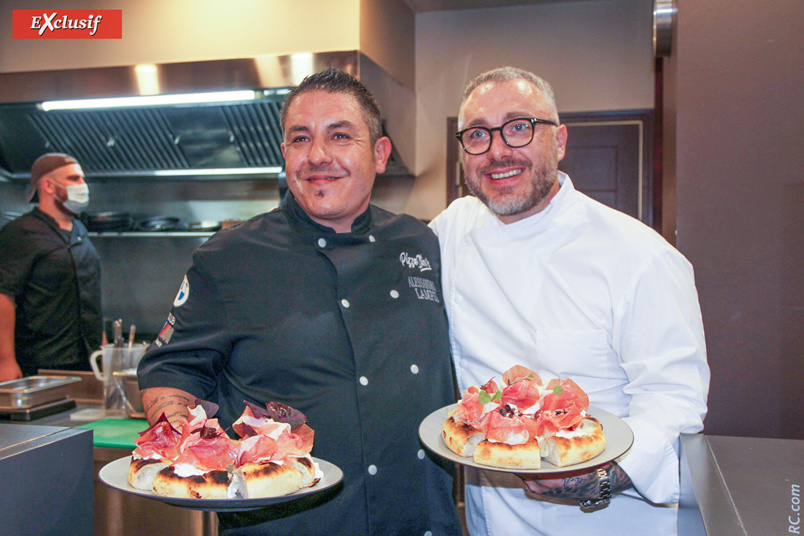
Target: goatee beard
506, 202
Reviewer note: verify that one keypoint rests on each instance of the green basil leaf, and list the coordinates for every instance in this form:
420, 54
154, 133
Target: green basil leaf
557, 390
483, 397
497, 396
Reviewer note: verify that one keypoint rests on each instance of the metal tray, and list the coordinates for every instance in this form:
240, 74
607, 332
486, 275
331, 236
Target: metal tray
34, 391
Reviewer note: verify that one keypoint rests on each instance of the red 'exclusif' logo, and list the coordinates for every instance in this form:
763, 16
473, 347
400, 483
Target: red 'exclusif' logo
67, 24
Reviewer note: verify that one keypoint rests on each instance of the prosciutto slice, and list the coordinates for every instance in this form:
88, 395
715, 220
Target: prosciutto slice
208, 453
562, 407
506, 429
160, 441
266, 439
524, 394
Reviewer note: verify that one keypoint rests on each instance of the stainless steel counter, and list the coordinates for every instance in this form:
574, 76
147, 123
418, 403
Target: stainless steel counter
740, 486
122, 514
46, 476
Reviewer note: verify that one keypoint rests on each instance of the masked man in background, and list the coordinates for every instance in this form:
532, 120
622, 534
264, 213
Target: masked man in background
538, 274
50, 277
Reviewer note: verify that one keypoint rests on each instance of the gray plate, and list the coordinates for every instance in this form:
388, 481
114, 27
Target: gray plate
619, 439
115, 475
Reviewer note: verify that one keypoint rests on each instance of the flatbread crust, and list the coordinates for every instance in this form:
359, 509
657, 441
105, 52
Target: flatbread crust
141, 472
270, 479
563, 451
524, 456
468, 441
210, 485
461, 438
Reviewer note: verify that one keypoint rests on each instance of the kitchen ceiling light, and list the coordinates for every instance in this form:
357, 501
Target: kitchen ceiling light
269, 170
150, 100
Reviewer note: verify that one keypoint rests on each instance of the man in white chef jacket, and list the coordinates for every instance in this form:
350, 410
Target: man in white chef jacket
537, 274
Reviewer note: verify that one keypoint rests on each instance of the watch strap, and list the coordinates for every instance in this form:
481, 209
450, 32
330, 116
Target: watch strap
603, 490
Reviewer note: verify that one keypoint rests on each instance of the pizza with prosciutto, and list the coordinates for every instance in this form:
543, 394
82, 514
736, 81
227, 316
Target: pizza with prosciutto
523, 422
199, 460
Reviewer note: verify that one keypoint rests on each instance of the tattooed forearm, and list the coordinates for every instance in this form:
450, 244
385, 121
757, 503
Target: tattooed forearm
172, 402
578, 486
619, 479
575, 487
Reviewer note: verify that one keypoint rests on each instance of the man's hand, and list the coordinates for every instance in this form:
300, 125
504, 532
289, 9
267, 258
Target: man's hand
578, 485
9, 370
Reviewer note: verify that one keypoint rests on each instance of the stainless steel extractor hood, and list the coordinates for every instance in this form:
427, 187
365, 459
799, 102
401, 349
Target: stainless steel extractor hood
212, 140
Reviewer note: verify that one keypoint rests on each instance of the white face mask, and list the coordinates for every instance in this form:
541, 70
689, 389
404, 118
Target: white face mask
77, 198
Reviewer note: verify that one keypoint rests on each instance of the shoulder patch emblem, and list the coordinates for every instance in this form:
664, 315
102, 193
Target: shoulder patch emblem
184, 293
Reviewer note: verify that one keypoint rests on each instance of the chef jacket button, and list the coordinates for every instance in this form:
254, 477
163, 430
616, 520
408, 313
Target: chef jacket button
394, 294
363, 381
372, 470
345, 303
428, 533
414, 369
372, 239
420, 454
322, 243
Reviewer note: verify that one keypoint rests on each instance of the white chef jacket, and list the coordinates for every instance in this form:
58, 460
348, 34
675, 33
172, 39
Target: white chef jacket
583, 291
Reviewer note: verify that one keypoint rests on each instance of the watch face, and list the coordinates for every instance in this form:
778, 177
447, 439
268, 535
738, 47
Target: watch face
664, 14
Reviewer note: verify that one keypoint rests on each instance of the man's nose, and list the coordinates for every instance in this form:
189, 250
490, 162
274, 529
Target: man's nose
319, 152
498, 146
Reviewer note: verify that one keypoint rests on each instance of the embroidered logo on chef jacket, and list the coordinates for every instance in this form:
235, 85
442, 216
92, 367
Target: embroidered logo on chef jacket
67, 24
415, 261
424, 288
184, 293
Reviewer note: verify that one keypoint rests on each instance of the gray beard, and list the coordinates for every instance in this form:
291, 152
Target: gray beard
509, 205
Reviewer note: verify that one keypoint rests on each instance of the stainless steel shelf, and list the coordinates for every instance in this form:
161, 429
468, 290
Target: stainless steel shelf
166, 234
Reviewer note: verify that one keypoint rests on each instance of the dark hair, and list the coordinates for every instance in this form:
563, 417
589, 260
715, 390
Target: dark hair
334, 81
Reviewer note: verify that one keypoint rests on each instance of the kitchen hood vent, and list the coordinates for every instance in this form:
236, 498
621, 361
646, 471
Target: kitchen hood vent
119, 142
236, 140
228, 138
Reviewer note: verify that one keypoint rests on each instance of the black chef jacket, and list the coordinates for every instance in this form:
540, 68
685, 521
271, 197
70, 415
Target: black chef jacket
55, 279
348, 328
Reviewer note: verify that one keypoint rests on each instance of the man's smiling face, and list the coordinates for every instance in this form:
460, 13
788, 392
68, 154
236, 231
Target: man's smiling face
513, 182
330, 159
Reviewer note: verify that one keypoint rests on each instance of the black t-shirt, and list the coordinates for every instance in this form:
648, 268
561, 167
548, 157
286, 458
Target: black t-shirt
54, 277
348, 328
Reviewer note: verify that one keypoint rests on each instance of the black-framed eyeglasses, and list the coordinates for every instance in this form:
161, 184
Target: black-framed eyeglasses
515, 133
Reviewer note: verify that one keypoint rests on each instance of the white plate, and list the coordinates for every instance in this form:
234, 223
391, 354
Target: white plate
619, 439
115, 475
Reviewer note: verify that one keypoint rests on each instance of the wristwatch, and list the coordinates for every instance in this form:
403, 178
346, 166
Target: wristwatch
603, 491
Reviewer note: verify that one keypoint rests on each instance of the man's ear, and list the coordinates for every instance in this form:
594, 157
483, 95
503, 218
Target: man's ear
47, 185
382, 151
561, 141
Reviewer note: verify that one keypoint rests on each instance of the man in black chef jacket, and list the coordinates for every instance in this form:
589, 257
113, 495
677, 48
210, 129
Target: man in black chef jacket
50, 286
332, 306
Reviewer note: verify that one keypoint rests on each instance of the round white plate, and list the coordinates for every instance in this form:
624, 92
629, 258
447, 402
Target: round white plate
619, 439
115, 475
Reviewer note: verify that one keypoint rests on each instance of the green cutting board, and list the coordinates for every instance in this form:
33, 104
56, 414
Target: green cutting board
116, 433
